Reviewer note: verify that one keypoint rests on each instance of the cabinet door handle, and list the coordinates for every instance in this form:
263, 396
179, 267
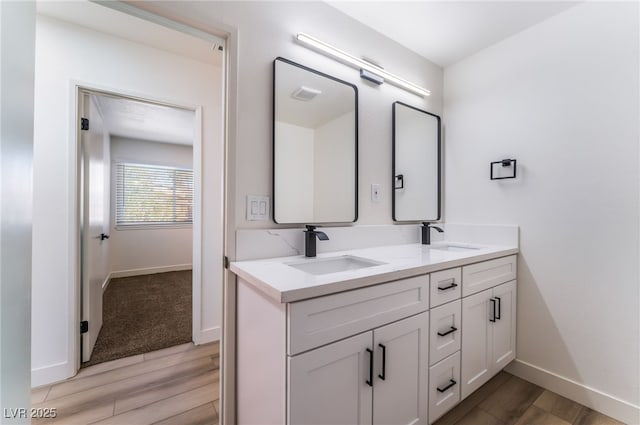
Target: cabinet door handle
384, 361
453, 329
499, 308
493, 310
449, 385
452, 284
370, 380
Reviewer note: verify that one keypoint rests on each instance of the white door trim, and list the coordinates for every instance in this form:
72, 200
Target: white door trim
229, 35
77, 89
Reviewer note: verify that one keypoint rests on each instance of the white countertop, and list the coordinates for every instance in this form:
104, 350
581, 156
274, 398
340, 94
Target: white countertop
285, 284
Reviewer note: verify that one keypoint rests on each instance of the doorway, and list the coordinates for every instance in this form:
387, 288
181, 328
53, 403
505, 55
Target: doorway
137, 190
74, 53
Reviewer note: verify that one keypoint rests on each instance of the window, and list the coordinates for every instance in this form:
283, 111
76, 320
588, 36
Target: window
148, 195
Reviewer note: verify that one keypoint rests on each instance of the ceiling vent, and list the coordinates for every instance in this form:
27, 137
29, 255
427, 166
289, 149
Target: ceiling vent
305, 94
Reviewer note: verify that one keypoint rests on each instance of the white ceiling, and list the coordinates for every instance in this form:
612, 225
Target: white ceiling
103, 19
147, 121
442, 31
445, 32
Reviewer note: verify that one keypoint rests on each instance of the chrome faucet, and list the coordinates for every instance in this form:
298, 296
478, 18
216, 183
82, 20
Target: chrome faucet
310, 240
426, 232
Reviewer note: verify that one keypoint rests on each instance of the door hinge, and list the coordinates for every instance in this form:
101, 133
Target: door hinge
225, 262
84, 123
84, 327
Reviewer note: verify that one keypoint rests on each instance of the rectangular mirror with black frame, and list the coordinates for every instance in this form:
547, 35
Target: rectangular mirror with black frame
315, 146
416, 164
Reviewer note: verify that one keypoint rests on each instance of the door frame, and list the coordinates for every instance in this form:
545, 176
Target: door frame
78, 89
229, 34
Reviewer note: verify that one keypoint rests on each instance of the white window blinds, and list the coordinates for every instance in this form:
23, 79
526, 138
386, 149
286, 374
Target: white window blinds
148, 195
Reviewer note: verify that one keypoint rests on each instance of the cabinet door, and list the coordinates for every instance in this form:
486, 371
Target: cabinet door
504, 328
476, 342
328, 385
400, 375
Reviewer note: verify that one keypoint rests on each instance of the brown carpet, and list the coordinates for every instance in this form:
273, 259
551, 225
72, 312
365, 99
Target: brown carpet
142, 314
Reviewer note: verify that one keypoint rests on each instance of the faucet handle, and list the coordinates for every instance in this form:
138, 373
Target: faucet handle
311, 227
428, 225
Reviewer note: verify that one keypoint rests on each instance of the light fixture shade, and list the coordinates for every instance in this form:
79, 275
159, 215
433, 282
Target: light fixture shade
351, 60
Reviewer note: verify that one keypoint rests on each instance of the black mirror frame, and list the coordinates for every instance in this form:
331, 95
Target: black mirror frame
273, 138
393, 163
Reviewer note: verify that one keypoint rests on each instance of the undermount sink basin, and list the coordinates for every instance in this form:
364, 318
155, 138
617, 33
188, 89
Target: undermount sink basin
454, 247
319, 266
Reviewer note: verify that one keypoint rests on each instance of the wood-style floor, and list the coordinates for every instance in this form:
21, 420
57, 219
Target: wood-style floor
509, 400
177, 385
180, 386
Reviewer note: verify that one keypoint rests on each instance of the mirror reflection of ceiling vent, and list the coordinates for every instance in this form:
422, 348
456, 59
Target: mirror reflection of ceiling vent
305, 94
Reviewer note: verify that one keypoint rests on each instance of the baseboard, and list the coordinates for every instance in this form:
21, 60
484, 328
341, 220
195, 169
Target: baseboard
106, 282
50, 374
207, 335
150, 270
590, 397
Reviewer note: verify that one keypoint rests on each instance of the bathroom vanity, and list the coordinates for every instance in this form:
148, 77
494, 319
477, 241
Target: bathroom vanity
388, 335
395, 334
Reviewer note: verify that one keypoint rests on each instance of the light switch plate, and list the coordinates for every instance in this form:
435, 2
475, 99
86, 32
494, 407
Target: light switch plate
257, 207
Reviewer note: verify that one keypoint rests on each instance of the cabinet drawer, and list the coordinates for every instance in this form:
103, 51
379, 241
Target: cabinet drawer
481, 276
446, 286
444, 387
318, 321
444, 332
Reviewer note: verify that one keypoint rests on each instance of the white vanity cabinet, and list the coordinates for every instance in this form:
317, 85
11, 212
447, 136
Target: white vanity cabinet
403, 351
378, 377
489, 324
354, 357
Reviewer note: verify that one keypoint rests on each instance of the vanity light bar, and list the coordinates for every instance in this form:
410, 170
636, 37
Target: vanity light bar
348, 59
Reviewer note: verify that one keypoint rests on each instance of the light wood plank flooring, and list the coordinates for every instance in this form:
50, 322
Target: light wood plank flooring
509, 400
176, 385
180, 386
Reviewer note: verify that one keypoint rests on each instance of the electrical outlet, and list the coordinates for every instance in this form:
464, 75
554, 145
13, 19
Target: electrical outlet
375, 192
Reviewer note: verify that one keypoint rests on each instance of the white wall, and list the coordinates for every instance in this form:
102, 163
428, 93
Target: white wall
334, 158
563, 99
150, 250
66, 54
295, 165
17, 22
265, 31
